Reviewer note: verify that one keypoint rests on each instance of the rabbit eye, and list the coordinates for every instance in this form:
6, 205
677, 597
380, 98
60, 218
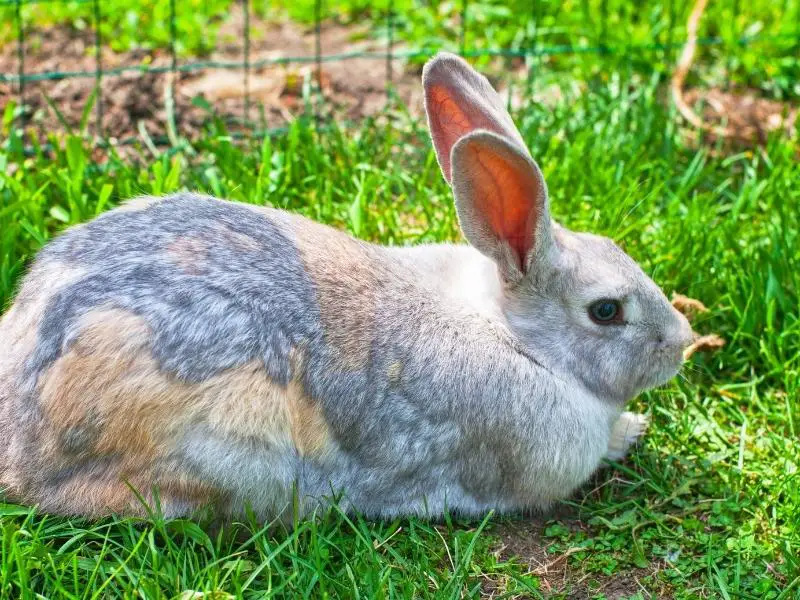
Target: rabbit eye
606, 312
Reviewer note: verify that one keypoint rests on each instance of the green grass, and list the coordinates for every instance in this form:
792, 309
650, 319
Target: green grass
709, 506
125, 26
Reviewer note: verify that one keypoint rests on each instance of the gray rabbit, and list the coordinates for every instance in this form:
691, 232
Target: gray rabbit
233, 356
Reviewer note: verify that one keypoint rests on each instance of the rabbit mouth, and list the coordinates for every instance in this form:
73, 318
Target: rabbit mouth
667, 372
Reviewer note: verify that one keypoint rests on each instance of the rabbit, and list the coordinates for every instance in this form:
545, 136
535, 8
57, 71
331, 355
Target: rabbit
197, 353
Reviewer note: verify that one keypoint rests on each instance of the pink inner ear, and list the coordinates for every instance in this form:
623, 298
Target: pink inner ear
448, 123
507, 198
505, 192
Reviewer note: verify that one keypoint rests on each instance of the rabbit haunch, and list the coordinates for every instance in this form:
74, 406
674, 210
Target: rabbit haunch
231, 355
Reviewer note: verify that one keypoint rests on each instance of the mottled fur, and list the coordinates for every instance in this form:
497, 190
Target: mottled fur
231, 355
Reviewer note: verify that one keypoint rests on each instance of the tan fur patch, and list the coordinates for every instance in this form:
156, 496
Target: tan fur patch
138, 203
188, 253
108, 394
347, 287
108, 382
239, 240
85, 494
394, 372
309, 428
89, 495
110, 378
245, 403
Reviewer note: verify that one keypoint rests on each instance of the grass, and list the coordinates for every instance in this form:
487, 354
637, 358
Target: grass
707, 507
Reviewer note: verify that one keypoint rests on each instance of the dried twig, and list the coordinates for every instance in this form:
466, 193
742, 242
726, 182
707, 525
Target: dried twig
704, 343
689, 307
682, 70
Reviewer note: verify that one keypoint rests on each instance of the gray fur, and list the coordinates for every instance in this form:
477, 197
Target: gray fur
203, 323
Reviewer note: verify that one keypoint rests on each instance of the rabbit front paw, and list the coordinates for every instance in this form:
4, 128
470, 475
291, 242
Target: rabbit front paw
627, 431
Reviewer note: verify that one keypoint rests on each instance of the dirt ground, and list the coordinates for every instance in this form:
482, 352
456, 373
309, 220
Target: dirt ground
740, 116
137, 101
523, 540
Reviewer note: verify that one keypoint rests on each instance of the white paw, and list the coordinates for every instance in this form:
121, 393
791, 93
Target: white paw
627, 431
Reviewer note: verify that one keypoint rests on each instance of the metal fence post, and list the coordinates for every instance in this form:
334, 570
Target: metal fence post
462, 41
318, 57
603, 26
246, 7
98, 49
389, 48
173, 36
531, 50
20, 53
735, 39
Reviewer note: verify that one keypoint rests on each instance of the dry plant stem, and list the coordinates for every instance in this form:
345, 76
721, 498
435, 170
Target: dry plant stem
705, 343
682, 70
689, 307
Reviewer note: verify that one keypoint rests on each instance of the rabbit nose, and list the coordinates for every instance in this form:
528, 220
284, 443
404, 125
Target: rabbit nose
681, 337
686, 334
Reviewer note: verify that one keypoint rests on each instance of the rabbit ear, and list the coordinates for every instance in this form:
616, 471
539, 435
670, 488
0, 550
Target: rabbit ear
459, 100
501, 200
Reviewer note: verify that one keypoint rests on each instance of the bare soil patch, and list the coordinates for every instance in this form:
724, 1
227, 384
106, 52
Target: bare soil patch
141, 102
525, 542
138, 100
741, 117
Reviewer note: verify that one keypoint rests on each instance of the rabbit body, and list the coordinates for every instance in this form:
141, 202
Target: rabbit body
203, 352
228, 353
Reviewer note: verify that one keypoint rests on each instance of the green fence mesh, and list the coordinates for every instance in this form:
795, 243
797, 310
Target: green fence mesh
598, 37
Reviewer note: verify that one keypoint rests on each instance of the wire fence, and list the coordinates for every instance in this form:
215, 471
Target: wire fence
665, 43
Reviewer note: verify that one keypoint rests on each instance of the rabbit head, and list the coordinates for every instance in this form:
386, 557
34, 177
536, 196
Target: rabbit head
575, 301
